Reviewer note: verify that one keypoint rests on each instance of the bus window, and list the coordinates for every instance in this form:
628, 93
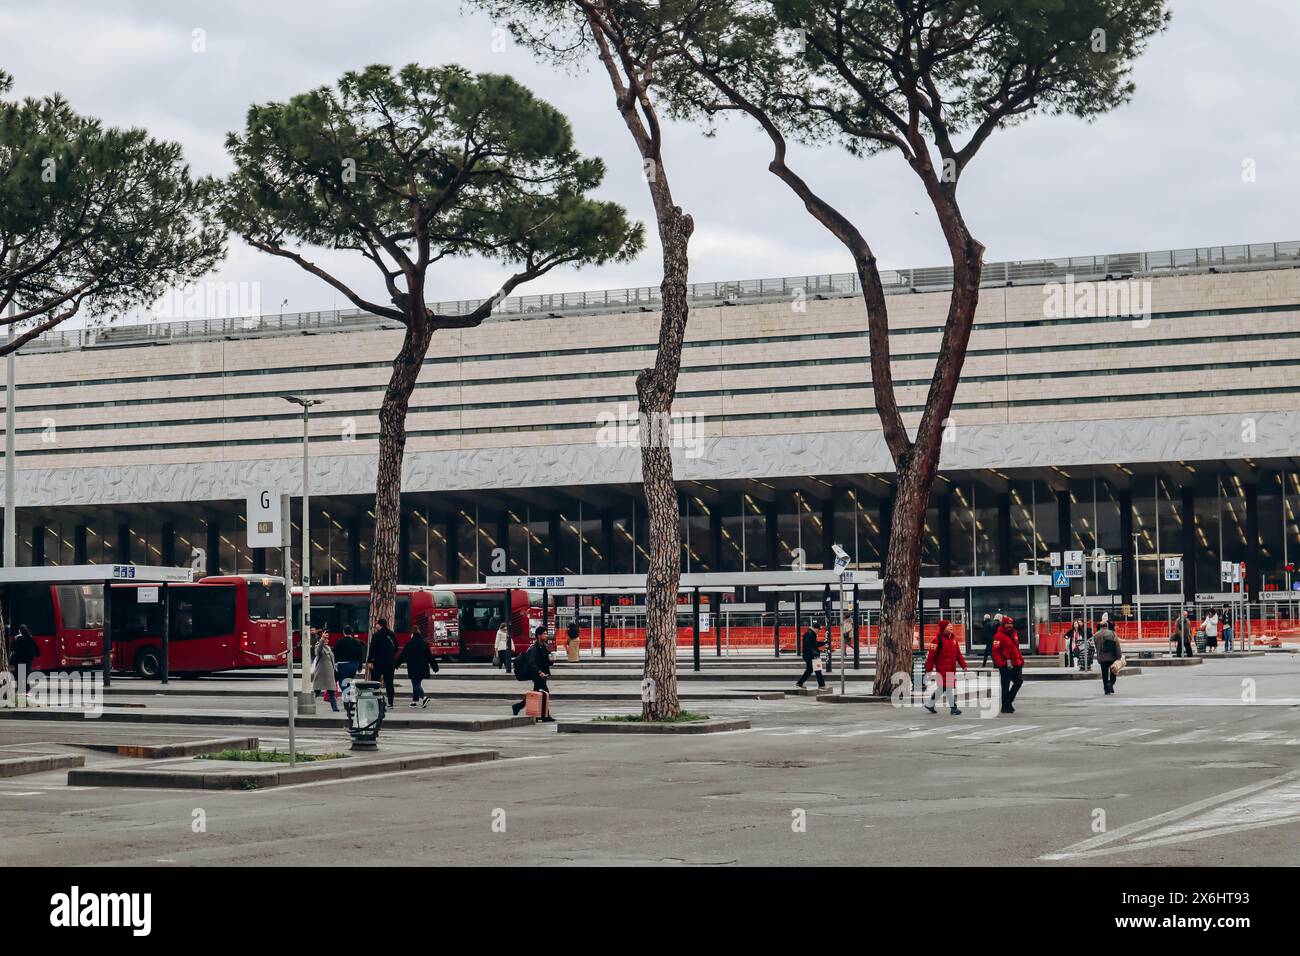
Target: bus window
402, 614
444, 599
204, 611
81, 606
265, 600
30, 604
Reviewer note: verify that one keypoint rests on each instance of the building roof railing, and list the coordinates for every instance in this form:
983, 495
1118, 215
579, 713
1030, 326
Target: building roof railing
1200, 259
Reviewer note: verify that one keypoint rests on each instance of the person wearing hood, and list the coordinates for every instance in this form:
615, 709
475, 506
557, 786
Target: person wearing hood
1010, 663
23, 654
1108, 652
989, 631
943, 659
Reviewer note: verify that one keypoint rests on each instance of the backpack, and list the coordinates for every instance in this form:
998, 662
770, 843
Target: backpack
524, 665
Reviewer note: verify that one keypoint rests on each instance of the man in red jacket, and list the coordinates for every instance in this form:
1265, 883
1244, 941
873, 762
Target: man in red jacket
1009, 661
943, 660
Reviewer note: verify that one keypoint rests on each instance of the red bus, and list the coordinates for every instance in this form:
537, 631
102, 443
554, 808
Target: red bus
480, 612
67, 621
335, 606
217, 624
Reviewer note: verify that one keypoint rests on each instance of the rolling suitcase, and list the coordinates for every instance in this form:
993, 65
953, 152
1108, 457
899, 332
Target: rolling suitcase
537, 703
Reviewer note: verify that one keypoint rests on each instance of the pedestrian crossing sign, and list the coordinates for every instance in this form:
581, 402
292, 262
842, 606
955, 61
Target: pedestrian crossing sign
1060, 580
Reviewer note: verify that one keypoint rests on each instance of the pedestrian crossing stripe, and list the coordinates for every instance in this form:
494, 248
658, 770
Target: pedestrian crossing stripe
995, 732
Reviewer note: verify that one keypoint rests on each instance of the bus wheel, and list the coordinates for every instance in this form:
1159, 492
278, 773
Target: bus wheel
148, 663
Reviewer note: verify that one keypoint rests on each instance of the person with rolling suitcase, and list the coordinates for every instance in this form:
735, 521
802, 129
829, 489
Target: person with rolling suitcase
535, 664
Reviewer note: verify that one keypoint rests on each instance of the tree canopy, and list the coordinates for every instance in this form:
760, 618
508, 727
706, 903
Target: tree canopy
412, 167
92, 219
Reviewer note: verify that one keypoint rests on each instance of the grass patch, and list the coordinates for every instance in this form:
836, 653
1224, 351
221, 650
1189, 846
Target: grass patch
685, 717
265, 756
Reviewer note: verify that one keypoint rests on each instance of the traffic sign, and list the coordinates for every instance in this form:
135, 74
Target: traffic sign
1074, 564
1060, 580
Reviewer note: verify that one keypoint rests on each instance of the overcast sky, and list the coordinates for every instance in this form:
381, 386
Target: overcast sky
1220, 86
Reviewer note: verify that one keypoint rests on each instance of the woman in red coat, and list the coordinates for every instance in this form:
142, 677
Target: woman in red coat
943, 659
1010, 663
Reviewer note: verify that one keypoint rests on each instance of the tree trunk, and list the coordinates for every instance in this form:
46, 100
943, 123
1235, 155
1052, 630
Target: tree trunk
655, 390
902, 573
388, 483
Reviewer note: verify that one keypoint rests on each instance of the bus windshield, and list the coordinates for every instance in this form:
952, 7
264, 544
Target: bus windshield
265, 600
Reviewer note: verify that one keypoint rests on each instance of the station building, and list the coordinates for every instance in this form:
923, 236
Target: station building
1104, 397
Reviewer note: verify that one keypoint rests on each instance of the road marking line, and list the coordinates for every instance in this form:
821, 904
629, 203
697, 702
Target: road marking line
1127, 734
995, 732
1252, 737
1185, 738
24, 793
1059, 734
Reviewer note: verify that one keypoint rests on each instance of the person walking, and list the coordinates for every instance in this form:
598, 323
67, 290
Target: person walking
535, 664
1225, 628
324, 680
383, 657
1211, 627
419, 661
811, 653
349, 656
988, 631
24, 654
1183, 635
1079, 643
1010, 663
503, 647
1108, 652
943, 660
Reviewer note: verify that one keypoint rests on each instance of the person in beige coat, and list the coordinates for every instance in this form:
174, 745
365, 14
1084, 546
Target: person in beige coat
323, 680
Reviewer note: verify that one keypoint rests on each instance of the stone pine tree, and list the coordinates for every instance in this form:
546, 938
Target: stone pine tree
930, 81
93, 220
411, 169
627, 39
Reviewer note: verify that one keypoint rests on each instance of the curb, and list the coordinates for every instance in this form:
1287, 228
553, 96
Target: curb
715, 726
468, 724
187, 748
339, 769
20, 766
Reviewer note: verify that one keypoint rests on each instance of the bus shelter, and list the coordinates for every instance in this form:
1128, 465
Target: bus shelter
96, 579
692, 583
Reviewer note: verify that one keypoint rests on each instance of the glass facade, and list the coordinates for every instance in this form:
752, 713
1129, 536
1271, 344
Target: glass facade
971, 528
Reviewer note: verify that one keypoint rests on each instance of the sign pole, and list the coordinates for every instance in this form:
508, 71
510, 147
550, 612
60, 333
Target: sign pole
286, 532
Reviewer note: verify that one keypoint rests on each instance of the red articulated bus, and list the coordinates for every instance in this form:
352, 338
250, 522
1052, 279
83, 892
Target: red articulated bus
217, 624
480, 612
66, 620
335, 606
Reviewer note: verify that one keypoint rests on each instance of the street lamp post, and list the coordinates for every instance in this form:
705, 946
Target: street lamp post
306, 700
1137, 584
11, 521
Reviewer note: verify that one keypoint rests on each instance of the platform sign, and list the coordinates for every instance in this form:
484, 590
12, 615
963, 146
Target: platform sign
263, 515
1225, 572
147, 595
705, 622
1056, 559
1074, 564
1060, 579
1173, 569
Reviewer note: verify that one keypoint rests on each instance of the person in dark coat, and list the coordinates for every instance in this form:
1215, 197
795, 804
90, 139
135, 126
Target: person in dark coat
534, 664
1183, 635
383, 657
988, 631
1108, 652
943, 659
810, 652
349, 655
1010, 663
419, 661
24, 653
